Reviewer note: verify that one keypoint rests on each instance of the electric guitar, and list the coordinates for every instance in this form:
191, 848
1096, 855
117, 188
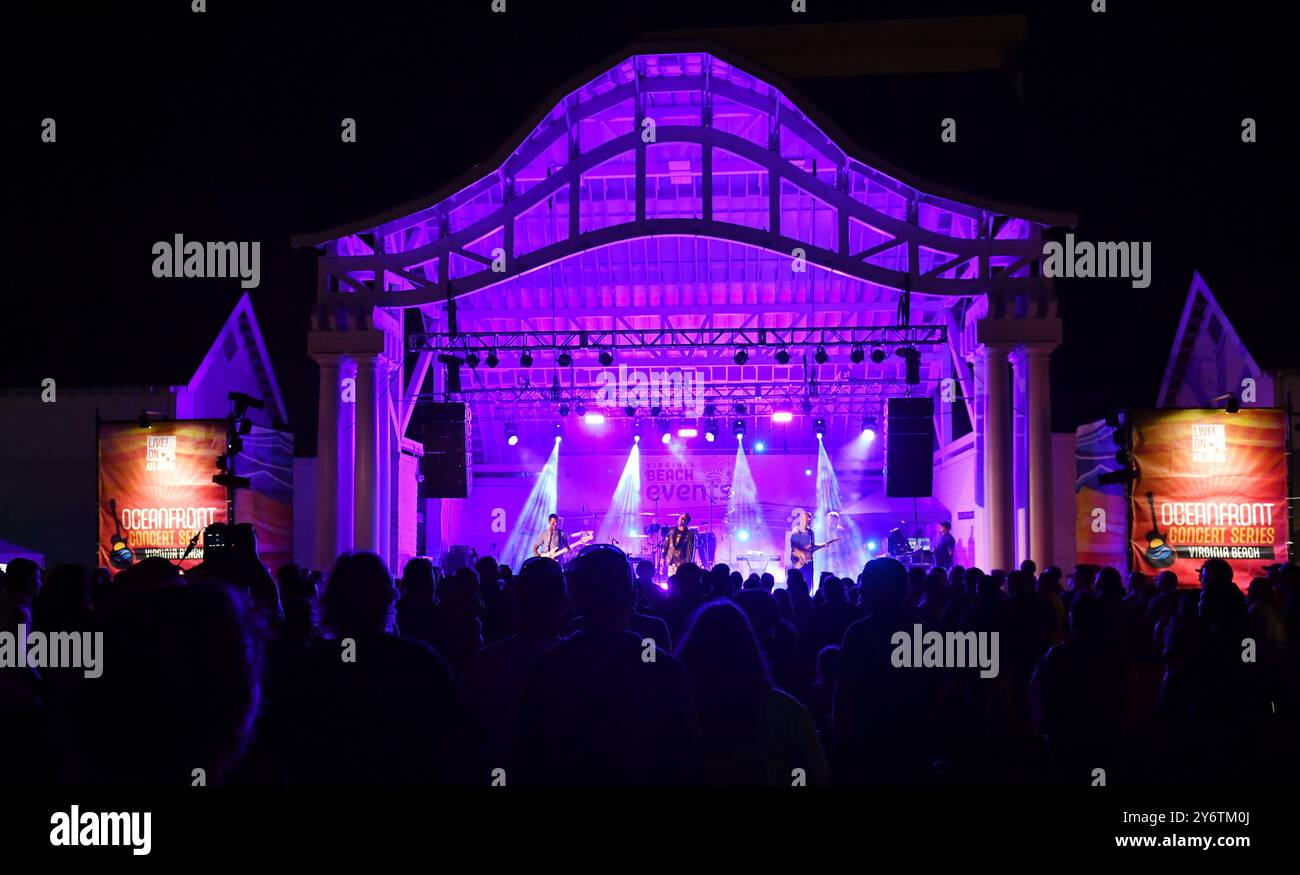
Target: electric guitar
799, 558
578, 540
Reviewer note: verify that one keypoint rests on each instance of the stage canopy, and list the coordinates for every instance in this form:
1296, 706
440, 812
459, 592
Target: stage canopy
684, 209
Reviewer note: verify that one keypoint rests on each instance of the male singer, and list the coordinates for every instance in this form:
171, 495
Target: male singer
679, 546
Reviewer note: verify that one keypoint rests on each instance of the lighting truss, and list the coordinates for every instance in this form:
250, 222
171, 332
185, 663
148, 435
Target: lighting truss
761, 399
719, 341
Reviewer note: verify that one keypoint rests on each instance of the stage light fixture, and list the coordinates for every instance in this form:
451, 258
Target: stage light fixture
606, 358
869, 428
806, 405
739, 407
782, 356
807, 472
688, 432
564, 359
912, 358
710, 409
821, 356
525, 359
493, 359
738, 428
630, 410
878, 355
858, 355
594, 418
512, 434
667, 437
580, 409
636, 438
871, 545
782, 416
760, 447
819, 428
742, 535
564, 410
741, 357
711, 432
471, 359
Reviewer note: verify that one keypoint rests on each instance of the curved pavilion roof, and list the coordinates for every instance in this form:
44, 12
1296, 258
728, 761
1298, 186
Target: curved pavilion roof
679, 186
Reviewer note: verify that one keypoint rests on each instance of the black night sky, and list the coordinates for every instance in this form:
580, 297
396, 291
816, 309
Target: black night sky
225, 126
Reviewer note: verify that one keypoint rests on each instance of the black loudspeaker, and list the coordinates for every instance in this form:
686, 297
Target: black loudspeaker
909, 448
446, 464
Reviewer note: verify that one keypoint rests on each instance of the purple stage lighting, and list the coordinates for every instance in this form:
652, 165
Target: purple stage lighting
807, 472
782, 416
760, 447
594, 418
668, 436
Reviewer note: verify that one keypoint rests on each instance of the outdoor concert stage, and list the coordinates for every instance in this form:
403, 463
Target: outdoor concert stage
679, 288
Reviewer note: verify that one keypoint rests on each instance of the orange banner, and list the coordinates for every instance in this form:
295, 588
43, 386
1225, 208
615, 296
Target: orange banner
1210, 485
156, 490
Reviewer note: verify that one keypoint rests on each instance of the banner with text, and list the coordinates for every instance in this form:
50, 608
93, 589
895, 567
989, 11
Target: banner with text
156, 491
1209, 485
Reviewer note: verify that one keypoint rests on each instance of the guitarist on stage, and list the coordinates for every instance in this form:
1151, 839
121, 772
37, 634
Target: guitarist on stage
553, 538
802, 547
679, 546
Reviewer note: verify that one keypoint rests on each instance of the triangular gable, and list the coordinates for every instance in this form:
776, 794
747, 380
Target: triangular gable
240, 332
1208, 357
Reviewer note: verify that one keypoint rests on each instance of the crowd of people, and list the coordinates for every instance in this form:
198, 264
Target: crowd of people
591, 673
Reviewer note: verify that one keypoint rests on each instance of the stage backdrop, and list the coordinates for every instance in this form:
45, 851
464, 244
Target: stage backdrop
156, 489
1209, 485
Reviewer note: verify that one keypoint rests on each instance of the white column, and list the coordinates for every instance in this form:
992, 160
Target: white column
998, 528
347, 450
365, 507
1033, 360
327, 464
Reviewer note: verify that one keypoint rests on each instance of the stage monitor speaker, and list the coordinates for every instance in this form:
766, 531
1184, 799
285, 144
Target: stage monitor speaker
909, 448
447, 461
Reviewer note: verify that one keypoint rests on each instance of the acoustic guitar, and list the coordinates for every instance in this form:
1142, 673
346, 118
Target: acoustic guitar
120, 554
1158, 551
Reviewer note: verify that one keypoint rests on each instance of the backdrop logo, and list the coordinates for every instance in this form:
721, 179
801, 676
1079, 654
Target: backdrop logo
679, 391
160, 453
1209, 443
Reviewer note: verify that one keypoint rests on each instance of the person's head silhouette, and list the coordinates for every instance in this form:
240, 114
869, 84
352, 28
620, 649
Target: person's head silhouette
600, 587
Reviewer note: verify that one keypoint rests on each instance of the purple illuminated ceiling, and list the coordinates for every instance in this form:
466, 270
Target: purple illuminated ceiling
596, 228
